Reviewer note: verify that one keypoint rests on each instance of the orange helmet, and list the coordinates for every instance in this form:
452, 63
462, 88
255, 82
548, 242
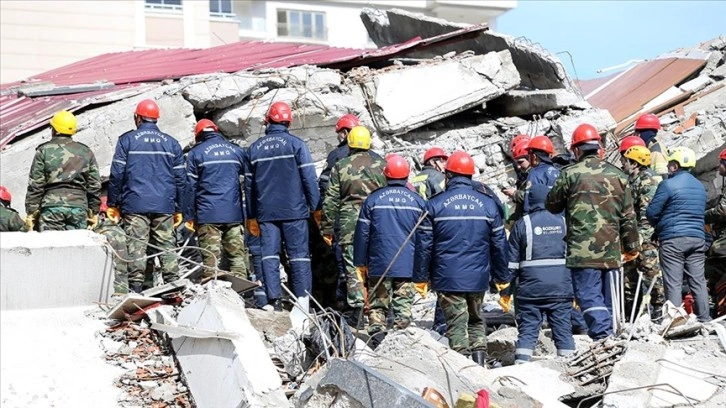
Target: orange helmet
279, 112
516, 140
460, 163
147, 109
396, 167
104, 204
647, 121
434, 152
722, 156
630, 141
521, 150
5, 194
542, 143
583, 134
205, 125
347, 121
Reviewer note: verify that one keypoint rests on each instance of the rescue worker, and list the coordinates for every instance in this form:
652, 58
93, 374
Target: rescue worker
520, 154
647, 127
716, 255
676, 212
537, 253
64, 184
9, 218
352, 180
541, 170
214, 167
430, 181
116, 237
600, 221
386, 219
342, 128
459, 243
281, 187
643, 182
148, 189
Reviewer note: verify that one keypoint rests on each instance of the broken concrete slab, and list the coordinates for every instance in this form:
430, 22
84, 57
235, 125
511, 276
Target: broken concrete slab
130, 304
239, 285
400, 104
218, 91
269, 324
36, 272
221, 372
565, 125
176, 285
501, 345
538, 68
524, 103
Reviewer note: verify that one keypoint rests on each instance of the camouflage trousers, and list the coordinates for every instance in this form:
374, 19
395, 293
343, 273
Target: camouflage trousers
158, 230
116, 237
647, 263
396, 294
465, 327
355, 284
716, 280
62, 218
216, 238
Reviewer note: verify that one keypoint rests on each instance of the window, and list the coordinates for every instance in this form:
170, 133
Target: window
164, 4
220, 6
301, 24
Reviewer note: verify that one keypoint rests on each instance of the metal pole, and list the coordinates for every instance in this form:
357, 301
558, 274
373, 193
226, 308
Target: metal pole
635, 299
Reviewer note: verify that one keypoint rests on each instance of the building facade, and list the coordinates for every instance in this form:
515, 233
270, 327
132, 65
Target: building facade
37, 36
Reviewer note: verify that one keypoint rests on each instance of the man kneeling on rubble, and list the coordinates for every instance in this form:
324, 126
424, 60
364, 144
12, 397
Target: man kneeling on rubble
537, 259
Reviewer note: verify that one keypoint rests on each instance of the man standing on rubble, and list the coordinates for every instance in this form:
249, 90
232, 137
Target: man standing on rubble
386, 219
214, 167
647, 127
430, 181
459, 243
643, 182
520, 155
282, 190
64, 184
716, 256
9, 218
675, 211
600, 221
116, 237
148, 188
352, 180
342, 129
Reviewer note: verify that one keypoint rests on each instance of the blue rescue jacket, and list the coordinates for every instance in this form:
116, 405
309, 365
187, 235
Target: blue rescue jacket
147, 173
281, 184
214, 167
678, 207
341, 151
486, 190
386, 218
461, 241
545, 174
537, 252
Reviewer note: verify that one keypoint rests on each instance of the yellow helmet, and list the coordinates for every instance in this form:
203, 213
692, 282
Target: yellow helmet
685, 157
359, 138
64, 123
639, 154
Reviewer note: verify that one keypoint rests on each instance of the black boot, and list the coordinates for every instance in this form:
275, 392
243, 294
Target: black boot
277, 305
377, 339
352, 317
480, 357
136, 287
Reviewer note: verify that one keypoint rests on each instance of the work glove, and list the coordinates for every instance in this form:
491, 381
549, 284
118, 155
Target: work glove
113, 214
422, 288
361, 272
191, 225
91, 219
501, 286
31, 219
253, 227
505, 302
318, 217
630, 256
178, 218
328, 238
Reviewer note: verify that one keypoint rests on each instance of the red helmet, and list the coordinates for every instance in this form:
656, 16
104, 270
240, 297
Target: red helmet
5, 194
647, 121
435, 152
460, 163
205, 125
279, 112
396, 167
517, 140
521, 150
630, 141
104, 204
722, 156
542, 143
147, 109
583, 134
347, 121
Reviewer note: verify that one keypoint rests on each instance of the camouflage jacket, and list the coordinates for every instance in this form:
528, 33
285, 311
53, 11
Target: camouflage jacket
351, 181
643, 186
10, 220
600, 217
64, 173
716, 216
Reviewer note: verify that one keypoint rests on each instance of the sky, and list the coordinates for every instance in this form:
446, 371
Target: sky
602, 34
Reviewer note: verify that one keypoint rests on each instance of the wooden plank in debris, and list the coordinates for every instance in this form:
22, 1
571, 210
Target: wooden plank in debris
168, 287
131, 303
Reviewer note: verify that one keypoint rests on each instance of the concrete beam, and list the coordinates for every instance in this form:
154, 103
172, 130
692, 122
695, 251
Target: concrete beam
54, 269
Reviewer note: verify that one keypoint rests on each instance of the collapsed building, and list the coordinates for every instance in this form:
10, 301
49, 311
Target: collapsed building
431, 82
